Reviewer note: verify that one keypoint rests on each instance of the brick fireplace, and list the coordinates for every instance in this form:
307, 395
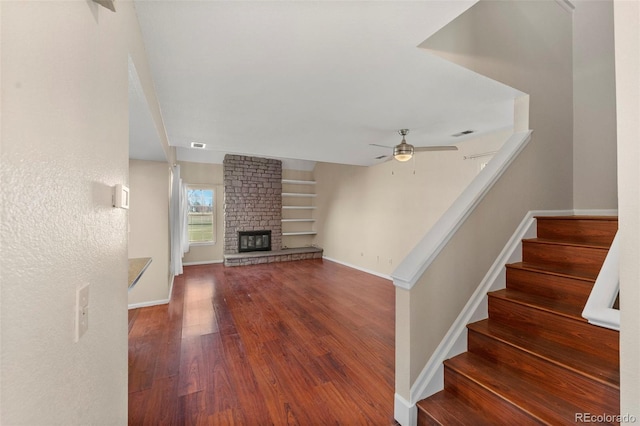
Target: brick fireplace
252, 207
252, 199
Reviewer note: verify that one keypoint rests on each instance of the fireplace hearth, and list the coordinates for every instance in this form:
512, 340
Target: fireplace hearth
254, 241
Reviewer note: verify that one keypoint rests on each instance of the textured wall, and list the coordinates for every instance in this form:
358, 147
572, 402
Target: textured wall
252, 199
64, 146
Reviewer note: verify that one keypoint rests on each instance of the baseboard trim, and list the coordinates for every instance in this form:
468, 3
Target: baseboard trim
155, 302
148, 304
368, 271
404, 412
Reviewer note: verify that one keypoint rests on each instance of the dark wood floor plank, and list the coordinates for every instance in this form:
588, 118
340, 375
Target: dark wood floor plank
176, 304
243, 382
138, 406
168, 356
308, 342
162, 407
192, 369
220, 395
143, 356
133, 314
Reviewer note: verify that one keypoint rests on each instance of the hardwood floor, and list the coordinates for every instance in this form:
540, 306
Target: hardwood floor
307, 342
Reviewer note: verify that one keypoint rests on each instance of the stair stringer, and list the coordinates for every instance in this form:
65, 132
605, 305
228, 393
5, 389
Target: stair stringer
431, 378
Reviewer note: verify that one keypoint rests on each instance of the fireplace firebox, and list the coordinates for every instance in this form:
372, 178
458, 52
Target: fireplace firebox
254, 241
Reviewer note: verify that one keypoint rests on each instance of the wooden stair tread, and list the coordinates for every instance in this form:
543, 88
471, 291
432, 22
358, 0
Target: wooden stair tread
554, 270
445, 408
541, 402
541, 303
589, 244
567, 357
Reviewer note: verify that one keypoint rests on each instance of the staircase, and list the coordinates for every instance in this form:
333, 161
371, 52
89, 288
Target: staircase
535, 360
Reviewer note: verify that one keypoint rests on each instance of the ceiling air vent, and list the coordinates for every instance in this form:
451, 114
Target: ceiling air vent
465, 132
198, 145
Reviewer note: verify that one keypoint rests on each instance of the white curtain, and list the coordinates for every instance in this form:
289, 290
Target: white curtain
178, 205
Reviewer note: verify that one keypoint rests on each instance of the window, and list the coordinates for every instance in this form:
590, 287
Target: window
201, 223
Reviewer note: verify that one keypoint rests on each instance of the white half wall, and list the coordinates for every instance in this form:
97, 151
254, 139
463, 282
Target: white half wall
149, 228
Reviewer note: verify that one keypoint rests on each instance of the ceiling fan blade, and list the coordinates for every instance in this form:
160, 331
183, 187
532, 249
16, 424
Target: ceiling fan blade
381, 146
435, 148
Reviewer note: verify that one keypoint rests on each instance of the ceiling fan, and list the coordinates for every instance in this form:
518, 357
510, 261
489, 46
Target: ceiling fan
404, 151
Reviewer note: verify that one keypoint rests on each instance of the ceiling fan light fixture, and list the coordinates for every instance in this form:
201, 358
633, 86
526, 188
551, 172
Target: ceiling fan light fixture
403, 152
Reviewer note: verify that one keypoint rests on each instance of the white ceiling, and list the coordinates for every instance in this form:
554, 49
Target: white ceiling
311, 80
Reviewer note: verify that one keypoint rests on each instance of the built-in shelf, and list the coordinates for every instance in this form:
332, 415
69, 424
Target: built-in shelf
304, 217
297, 194
299, 182
298, 207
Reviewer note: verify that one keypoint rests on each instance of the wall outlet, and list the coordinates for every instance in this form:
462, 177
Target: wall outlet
82, 311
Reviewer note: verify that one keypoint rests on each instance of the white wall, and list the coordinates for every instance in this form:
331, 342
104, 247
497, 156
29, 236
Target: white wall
627, 48
64, 145
149, 229
594, 106
371, 217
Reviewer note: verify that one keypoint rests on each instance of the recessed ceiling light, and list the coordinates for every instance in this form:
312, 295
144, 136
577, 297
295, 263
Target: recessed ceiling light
198, 145
465, 132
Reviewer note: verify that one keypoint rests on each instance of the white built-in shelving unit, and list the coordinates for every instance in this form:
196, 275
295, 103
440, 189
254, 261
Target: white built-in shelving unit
298, 202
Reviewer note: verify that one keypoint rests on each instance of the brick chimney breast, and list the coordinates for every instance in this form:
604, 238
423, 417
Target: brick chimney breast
252, 199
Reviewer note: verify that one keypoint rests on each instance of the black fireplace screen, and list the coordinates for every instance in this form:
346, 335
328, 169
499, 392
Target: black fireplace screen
254, 241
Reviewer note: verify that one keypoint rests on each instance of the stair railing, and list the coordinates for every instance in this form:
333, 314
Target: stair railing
599, 307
